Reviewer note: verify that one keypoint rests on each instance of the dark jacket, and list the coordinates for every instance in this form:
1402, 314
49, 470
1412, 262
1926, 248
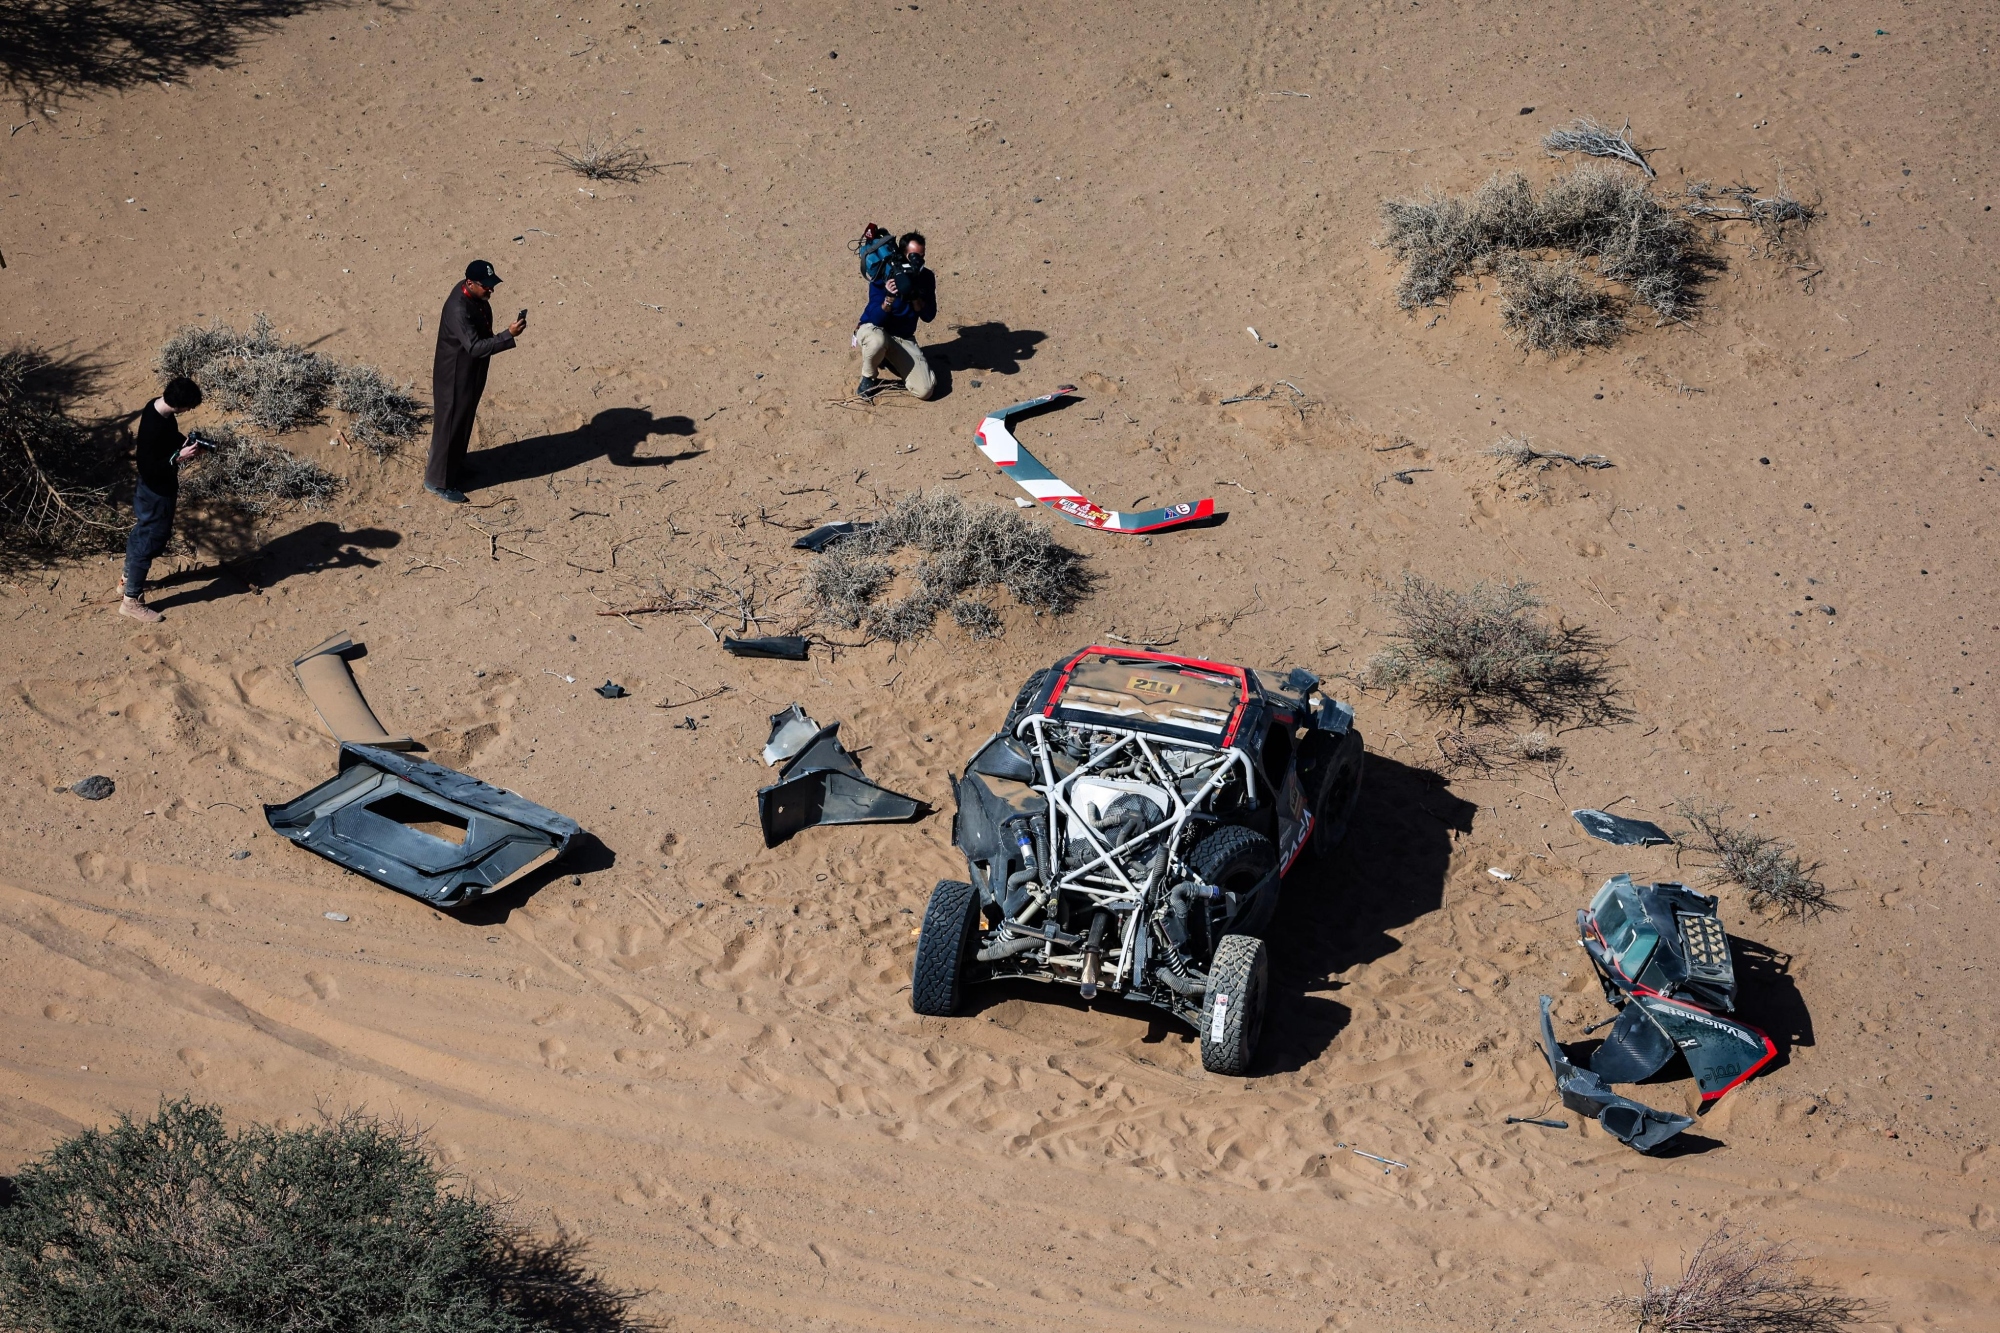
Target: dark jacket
465, 342
898, 315
159, 440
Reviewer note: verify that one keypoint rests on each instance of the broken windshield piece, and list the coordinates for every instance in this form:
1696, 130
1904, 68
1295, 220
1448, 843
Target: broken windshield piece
421, 828
791, 732
1620, 831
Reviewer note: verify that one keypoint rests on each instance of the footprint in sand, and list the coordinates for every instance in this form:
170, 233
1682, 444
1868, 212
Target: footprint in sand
323, 985
59, 1013
195, 1059
553, 1052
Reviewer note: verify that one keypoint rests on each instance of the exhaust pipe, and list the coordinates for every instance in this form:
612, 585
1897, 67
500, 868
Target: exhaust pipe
1093, 955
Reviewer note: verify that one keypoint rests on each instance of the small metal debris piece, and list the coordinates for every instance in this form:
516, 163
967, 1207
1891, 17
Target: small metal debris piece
94, 788
828, 533
612, 690
334, 916
1498, 873
1537, 1120
239, 855
1386, 1161
1621, 832
791, 731
821, 784
785, 647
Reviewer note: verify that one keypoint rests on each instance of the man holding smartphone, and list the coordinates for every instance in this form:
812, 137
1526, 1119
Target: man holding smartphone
465, 343
161, 451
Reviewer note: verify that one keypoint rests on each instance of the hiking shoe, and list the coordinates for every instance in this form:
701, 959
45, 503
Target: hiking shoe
446, 493
869, 386
138, 610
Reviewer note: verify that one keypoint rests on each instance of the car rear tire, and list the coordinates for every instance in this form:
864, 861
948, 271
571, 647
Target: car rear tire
944, 947
1339, 793
1232, 1009
1233, 858
1021, 700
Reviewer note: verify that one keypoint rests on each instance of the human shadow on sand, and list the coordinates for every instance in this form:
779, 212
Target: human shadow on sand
615, 434
308, 550
990, 347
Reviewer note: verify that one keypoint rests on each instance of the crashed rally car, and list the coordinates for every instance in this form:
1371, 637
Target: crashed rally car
1662, 957
1126, 830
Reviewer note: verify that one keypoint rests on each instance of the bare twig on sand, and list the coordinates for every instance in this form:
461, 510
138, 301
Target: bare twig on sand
1768, 870
608, 160
1587, 136
1741, 1286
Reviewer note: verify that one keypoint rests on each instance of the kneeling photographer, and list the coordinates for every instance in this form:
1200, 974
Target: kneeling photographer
901, 291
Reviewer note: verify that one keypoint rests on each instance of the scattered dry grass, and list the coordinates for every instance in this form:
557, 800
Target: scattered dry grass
1768, 870
1741, 1286
256, 476
53, 503
1483, 655
1592, 213
1588, 137
1515, 451
1484, 751
279, 386
607, 160
960, 549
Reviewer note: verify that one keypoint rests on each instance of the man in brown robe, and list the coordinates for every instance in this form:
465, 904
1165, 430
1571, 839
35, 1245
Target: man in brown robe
465, 343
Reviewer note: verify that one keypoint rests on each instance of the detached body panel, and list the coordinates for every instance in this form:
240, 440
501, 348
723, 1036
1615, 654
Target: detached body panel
420, 828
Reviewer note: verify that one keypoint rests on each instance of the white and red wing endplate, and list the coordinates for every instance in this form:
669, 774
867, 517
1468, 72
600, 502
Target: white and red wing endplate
997, 442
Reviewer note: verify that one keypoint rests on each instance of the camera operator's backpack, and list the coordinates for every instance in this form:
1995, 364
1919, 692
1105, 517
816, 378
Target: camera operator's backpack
877, 250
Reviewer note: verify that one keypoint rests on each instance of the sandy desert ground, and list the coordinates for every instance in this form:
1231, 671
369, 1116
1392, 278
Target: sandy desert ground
697, 1055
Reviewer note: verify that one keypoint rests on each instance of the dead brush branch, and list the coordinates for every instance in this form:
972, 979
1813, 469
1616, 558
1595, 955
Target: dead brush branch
960, 549
53, 500
1485, 751
735, 601
256, 476
1741, 1286
1780, 219
1483, 655
1516, 452
608, 160
1588, 137
1769, 871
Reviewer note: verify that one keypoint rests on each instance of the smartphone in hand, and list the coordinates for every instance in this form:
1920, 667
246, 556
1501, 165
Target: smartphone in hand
521, 318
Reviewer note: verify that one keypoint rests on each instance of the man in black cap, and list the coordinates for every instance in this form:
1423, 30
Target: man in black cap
458, 374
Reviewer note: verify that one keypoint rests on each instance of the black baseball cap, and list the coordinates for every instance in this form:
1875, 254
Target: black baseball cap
481, 272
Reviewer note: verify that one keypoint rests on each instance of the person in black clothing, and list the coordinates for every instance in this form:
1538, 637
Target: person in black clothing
465, 343
161, 451
887, 330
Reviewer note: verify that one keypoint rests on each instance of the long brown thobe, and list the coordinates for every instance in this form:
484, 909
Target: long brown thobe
465, 343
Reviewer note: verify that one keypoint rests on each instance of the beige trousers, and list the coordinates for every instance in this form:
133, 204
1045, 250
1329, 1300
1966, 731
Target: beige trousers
900, 355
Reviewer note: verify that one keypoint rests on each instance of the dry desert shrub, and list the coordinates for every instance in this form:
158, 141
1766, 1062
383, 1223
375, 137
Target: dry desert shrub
255, 475
1537, 244
1551, 307
178, 1225
53, 502
1488, 750
1732, 1285
1769, 871
1588, 137
1483, 655
960, 549
279, 386
607, 160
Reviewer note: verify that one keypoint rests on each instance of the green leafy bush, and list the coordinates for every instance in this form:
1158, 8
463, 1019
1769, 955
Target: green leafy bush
176, 1225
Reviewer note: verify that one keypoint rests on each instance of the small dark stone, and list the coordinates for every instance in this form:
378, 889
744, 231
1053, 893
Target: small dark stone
1527, 111
974, 383
239, 856
1765, 461
477, 79
1809, 504
94, 788
833, 55
1597, 395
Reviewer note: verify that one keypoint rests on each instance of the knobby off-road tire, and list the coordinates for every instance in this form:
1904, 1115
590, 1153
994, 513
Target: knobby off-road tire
1021, 700
1233, 858
1339, 793
1232, 1010
944, 949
